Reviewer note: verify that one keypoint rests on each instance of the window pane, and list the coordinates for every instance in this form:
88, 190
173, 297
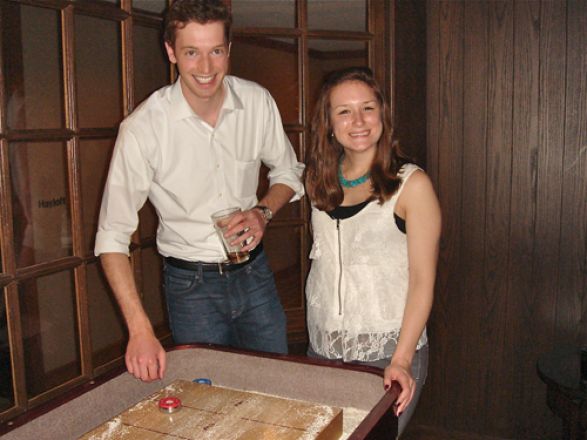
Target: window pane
283, 245
107, 328
6, 394
264, 13
50, 336
257, 59
41, 216
156, 6
151, 66
290, 210
116, 2
328, 55
33, 67
153, 297
343, 15
98, 68
94, 158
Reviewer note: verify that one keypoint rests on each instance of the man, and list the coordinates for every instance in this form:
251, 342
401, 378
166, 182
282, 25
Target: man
193, 148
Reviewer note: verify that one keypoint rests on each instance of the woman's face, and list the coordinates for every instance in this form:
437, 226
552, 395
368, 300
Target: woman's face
355, 116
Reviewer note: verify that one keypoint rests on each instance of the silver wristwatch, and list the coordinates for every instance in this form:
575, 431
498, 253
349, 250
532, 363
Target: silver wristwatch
265, 212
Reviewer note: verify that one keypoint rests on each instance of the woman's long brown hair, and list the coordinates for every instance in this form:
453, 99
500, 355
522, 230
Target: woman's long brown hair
322, 185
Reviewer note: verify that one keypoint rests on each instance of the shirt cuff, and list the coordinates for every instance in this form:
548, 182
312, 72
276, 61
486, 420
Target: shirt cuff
292, 180
111, 242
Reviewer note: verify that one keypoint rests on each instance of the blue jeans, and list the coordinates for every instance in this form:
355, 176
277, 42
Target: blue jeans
238, 308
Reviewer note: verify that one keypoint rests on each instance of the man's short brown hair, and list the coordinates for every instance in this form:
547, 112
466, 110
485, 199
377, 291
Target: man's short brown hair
182, 12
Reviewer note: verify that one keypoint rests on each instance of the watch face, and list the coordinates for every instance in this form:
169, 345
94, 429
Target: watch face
267, 214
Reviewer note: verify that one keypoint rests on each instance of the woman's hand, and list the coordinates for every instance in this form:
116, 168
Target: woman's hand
402, 374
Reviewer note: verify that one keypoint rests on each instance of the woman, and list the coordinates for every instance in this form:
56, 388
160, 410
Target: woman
376, 226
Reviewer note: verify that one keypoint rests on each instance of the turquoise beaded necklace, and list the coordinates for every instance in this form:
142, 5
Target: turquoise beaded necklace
351, 183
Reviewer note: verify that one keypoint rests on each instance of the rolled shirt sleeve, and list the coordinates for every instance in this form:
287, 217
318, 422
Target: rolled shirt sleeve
126, 191
278, 154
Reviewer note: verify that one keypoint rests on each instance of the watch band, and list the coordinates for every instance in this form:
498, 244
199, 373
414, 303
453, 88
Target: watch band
265, 212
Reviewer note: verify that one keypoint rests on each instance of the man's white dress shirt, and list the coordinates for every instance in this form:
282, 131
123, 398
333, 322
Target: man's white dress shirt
189, 169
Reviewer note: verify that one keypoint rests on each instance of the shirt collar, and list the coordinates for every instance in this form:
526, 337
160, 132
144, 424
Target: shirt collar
231, 100
180, 109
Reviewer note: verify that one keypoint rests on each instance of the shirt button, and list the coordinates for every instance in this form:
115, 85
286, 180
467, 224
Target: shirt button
217, 165
219, 194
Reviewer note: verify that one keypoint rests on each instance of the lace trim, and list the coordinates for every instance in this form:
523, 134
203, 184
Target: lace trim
367, 347
364, 348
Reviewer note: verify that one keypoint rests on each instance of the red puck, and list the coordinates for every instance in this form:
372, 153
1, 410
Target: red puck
169, 404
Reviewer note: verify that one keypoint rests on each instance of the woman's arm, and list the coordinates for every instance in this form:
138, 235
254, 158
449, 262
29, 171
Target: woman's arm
419, 206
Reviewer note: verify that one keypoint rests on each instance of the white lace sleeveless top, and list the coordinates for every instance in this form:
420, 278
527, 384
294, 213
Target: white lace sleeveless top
358, 283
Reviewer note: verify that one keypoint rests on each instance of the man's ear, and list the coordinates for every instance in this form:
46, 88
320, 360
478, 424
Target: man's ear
170, 53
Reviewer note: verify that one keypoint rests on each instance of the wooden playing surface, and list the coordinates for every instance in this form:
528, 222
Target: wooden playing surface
212, 412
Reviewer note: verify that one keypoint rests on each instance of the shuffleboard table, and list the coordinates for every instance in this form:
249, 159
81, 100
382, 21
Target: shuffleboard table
94, 410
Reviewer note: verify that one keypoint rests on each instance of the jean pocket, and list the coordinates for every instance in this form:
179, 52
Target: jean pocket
178, 281
259, 273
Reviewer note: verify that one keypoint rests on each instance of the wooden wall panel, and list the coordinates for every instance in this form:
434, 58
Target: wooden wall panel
473, 181
449, 170
550, 148
524, 301
409, 106
434, 385
432, 88
573, 262
507, 151
444, 97
499, 369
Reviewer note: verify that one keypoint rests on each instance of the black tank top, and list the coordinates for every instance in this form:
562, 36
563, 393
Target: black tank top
342, 212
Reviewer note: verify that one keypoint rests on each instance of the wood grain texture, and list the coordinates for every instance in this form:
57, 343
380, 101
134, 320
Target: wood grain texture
510, 164
444, 165
473, 207
212, 412
526, 301
409, 105
573, 262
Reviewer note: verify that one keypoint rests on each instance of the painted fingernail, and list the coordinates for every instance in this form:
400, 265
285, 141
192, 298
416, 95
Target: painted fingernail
386, 387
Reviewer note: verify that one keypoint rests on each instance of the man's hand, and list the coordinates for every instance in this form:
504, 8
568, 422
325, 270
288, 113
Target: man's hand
249, 226
145, 358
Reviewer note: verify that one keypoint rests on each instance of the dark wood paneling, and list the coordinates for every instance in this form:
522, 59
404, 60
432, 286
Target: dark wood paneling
432, 87
523, 299
572, 305
409, 60
506, 136
474, 299
445, 165
499, 369
434, 385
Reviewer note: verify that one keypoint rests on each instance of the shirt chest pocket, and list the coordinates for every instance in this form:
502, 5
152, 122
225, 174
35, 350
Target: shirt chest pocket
246, 174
